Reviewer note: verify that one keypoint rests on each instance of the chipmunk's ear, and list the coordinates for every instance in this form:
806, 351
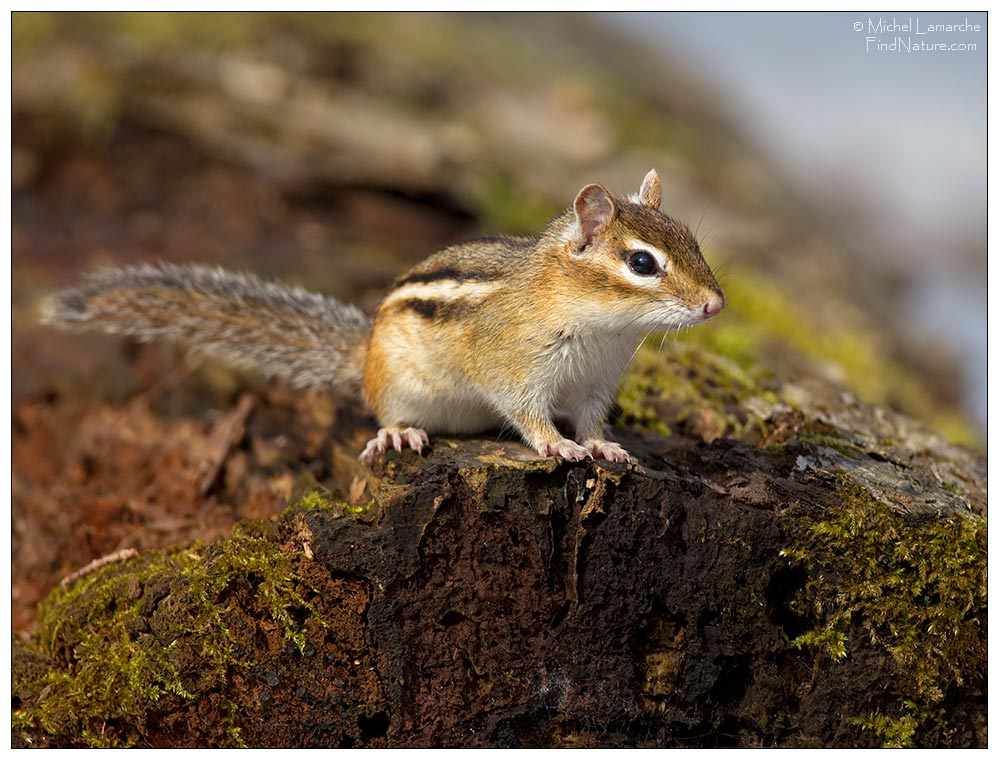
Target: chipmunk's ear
651, 194
595, 209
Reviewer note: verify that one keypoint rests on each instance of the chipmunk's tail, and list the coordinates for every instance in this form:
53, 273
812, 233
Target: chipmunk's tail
308, 339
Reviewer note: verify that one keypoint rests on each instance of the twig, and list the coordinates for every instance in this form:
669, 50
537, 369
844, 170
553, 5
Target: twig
226, 435
118, 556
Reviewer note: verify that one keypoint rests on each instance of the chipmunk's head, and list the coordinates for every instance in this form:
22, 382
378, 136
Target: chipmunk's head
635, 264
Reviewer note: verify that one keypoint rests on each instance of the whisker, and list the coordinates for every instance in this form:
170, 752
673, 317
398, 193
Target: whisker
662, 342
637, 349
713, 226
702, 218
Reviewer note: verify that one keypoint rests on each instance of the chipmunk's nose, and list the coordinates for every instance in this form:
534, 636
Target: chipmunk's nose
714, 305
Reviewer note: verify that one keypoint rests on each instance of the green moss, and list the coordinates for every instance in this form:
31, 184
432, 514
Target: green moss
732, 341
668, 386
634, 397
895, 733
916, 588
321, 499
954, 488
316, 500
120, 657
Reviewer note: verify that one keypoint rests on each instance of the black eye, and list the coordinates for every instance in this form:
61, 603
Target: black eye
642, 262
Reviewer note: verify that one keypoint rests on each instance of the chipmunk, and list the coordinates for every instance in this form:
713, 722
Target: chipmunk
502, 332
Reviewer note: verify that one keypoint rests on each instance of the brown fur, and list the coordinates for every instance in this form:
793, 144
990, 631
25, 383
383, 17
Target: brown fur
497, 331
535, 294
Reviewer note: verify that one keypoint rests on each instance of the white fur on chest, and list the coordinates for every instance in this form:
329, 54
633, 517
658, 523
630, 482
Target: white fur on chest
585, 365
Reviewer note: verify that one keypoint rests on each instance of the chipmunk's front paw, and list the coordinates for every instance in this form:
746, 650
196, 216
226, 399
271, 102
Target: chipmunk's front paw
396, 438
608, 450
565, 448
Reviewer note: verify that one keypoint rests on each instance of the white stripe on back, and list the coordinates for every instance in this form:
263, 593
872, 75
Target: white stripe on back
441, 290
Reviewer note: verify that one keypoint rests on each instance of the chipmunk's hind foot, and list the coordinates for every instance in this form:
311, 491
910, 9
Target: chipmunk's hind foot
394, 437
607, 450
564, 448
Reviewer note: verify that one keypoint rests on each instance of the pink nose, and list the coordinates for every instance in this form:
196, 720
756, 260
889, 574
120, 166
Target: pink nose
714, 305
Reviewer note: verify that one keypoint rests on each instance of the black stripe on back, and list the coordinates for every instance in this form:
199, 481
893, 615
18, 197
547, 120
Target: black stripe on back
431, 309
447, 273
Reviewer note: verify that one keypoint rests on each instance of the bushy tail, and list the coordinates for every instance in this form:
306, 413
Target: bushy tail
308, 339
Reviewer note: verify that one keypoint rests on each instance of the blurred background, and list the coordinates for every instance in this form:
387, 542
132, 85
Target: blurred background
838, 190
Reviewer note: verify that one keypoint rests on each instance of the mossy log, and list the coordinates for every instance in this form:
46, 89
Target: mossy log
724, 595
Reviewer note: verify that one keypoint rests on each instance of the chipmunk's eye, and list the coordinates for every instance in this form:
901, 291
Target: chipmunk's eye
642, 262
